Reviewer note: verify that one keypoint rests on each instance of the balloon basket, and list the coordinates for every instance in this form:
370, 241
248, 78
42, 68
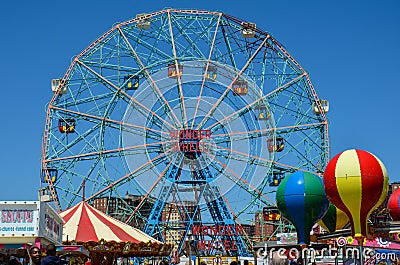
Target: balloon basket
360, 243
303, 246
360, 239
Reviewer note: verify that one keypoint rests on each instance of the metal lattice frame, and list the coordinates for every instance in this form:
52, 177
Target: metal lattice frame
106, 113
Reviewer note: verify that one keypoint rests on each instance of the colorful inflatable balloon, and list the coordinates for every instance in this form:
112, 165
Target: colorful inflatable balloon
394, 205
334, 219
356, 182
301, 199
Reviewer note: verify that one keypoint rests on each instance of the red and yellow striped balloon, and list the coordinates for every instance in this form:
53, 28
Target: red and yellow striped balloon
394, 205
356, 182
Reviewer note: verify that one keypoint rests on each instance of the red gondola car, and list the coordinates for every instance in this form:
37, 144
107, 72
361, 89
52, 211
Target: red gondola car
66, 125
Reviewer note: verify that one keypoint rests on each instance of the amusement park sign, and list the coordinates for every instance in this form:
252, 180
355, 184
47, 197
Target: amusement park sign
216, 231
19, 219
29, 219
189, 140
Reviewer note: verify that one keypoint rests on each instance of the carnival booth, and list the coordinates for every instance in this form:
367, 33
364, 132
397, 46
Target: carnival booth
27, 223
106, 238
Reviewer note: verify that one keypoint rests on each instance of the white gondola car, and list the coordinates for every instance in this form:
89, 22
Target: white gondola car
324, 104
143, 23
248, 29
44, 195
55, 83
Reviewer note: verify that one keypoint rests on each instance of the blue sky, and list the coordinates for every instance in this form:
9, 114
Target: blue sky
350, 49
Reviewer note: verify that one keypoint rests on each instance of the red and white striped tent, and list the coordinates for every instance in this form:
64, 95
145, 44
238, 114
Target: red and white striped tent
84, 223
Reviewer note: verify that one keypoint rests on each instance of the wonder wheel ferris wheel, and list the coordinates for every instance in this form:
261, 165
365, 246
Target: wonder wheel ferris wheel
182, 122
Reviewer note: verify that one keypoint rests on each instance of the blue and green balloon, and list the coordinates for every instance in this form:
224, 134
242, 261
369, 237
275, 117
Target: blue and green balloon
301, 199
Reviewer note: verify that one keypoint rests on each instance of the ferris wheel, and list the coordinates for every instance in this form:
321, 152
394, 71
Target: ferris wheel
180, 121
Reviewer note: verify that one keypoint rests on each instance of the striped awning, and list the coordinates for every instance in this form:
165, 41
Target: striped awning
84, 223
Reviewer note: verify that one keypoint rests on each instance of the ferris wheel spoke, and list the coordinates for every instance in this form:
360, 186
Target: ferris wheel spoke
131, 175
245, 135
239, 136
206, 71
81, 137
153, 48
287, 55
89, 99
84, 138
228, 89
234, 41
137, 129
118, 93
146, 196
301, 154
143, 42
237, 220
182, 31
299, 127
180, 91
156, 89
68, 169
138, 149
305, 155
228, 45
238, 180
106, 176
132, 99
77, 192
240, 156
235, 115
76, 95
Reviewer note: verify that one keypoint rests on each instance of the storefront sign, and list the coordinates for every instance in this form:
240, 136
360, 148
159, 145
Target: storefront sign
23, 221
50, 224
18, 219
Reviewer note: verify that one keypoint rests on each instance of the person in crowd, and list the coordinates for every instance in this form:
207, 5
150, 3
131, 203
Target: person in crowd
299, 261
51, 256
36, 255
14, 261
277, 259
175, 259
88, 261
